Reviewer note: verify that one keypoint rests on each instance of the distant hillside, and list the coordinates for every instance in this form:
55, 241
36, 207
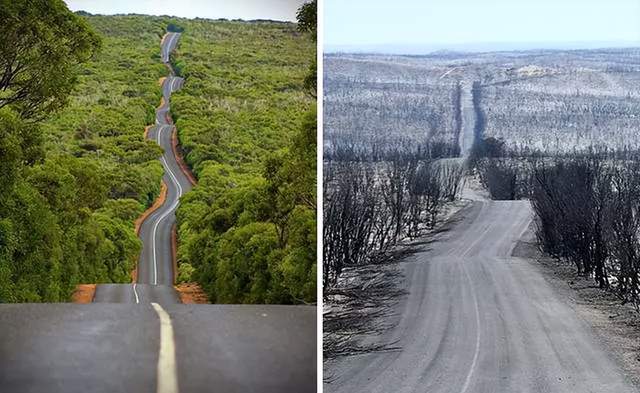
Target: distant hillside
423, 49
551, 100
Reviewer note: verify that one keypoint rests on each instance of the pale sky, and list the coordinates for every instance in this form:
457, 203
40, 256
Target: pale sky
283, 10
453, 22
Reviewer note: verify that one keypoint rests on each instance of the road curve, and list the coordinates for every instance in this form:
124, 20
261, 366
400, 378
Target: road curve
155, 276
155, 266
477, 320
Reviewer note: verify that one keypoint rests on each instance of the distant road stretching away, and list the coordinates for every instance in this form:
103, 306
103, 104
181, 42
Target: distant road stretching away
155, 266
478, 320
467, 133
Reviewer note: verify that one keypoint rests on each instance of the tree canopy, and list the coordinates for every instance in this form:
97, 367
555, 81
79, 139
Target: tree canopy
75, 170
247, 231
307, 18
42, 45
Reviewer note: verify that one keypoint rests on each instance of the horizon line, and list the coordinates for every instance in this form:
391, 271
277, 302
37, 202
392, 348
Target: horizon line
477, 47
185, 17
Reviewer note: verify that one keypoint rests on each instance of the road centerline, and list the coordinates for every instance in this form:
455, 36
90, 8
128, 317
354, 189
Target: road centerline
135, 292
166, 213
167, 378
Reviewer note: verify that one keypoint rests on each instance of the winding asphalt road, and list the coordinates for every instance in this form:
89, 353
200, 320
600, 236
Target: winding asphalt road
155, 266
151, 343
477, 320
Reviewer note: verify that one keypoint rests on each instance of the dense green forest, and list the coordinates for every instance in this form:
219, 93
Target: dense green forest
247, 126
76, 170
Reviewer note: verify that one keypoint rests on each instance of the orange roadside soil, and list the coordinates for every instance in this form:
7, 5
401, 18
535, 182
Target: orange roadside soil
183, 166
134, 273
191, 293
84, 293
156, 205
174, 251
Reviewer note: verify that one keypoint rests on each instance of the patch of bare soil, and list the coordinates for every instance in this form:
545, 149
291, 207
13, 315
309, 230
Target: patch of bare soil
134, 273
616, 324
156, 205
83, 293
191, 293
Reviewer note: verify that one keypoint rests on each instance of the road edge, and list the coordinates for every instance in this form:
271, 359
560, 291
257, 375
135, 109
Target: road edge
160, 200
162, 197
179, 159
614, 325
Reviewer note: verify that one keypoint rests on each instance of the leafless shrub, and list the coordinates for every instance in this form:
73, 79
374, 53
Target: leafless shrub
370, 206
588, 213
505, 178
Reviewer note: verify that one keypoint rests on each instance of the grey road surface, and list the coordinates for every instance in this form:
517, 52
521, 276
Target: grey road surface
69, 348
135, 293
156, 261
477, 320
467, 133
155, 265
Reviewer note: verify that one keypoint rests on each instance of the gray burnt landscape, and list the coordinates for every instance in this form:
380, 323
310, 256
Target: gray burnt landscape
439, 170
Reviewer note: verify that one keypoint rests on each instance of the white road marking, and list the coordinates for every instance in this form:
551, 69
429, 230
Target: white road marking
136, 293
165, 214
167, 48
448, 72
472, 369
167, 373
476, 353
165, 51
